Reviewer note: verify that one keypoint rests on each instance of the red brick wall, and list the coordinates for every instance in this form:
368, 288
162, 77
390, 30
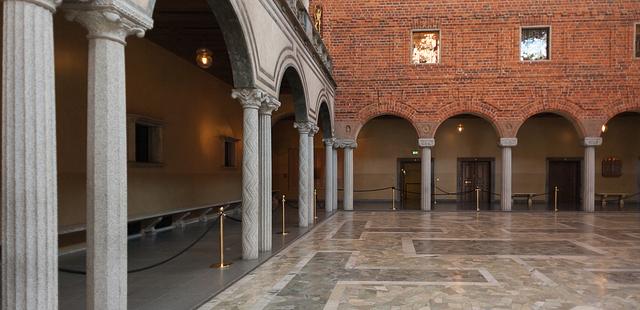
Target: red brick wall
591, 76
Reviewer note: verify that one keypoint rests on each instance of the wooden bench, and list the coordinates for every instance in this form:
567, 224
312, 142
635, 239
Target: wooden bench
528, 196
619, 196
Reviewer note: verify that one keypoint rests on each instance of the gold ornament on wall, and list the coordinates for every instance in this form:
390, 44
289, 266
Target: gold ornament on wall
317, 16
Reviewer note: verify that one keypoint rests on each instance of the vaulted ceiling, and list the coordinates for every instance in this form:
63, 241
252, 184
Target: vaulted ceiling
184, 26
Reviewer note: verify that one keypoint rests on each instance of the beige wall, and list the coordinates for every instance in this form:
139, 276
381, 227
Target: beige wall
195, 106
382, 141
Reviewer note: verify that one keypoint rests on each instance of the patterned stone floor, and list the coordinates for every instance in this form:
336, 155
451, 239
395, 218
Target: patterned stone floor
456, 260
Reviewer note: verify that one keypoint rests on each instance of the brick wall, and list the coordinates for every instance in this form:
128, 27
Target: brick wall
591, 76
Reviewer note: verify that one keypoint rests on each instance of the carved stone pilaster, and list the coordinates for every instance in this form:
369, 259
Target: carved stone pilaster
251, 100
304, 204
328, 182
29, 173
312, 201
269, 105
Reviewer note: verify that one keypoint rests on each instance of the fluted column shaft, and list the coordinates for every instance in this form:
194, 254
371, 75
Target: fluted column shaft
304, 128
328, 187
334, 163
426, 145
29, 176
589, 182
265, 163
506, 190
251, 100
106, 156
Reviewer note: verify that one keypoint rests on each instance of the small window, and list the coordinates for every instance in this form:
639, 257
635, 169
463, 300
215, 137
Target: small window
534, 43
230, 151
145, 141
425, 47
637, 41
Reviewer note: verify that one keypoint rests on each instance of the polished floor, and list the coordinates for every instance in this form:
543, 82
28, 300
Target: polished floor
187, 281
451, 260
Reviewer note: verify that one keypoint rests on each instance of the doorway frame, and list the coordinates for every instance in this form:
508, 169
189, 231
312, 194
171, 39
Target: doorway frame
400, 177
492, 173
547, 188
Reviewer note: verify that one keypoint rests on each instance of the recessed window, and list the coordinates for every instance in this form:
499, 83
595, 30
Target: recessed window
534, 43
145, 141
637, 40
230, 151
425, 47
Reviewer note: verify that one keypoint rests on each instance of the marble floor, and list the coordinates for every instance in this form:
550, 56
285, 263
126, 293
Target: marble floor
451, 260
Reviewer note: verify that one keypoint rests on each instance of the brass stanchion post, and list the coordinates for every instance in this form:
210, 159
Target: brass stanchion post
315, 204
477, 199
555, 198
393, 198
222, 264
284, 231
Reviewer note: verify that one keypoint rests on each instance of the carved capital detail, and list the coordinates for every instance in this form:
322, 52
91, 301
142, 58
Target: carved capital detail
47, 4
508, 142
427, 142
250, 98
269, 105
592, 141
345, 144
106, 24
329, 142
305, 127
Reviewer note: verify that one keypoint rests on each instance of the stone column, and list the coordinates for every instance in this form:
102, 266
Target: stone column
251, 100
328, 187
348, 146
334, 163
106, 153
312, 186
265, 204
505, 194
304, 128
589, 183
425, 146
29, 174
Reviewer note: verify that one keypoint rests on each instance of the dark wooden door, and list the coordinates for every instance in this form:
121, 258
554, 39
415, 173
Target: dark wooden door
565, 174
474, 174
410, 182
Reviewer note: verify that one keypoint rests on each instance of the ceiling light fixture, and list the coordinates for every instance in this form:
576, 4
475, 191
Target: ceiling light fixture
604, 128
460, 128
204, 58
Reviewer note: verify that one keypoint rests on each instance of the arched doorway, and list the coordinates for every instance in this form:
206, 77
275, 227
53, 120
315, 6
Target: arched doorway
618, 164
548, 155
465, 158
387, 157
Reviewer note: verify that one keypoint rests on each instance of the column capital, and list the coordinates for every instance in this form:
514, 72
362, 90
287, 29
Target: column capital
306, 127
112, 20
329, 142
508, 142
250, 98
427, 142
592, 141
269, 105
345, 144
47, 4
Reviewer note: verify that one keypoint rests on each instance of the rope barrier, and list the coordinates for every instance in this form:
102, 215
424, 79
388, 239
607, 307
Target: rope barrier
191, 245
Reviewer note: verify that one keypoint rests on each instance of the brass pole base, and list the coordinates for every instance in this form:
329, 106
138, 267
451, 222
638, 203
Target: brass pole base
220, 265
283, 233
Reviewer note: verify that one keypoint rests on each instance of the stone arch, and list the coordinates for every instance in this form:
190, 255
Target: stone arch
617, 110
236, 36
300, 99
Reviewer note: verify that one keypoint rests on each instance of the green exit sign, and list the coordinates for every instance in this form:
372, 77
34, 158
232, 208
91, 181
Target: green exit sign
415, 152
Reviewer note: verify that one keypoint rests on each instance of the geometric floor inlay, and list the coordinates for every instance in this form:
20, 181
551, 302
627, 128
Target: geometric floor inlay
453, 260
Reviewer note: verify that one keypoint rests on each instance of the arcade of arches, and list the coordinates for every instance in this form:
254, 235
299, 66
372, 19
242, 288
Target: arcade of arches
148, 144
